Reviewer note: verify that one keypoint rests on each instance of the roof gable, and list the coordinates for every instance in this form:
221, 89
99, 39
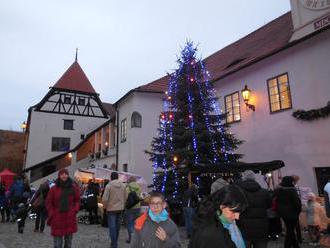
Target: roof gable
75, 79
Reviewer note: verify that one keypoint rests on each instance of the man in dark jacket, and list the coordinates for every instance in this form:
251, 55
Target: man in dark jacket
190, 202
288, 208
93, 191
253, 222
16, 195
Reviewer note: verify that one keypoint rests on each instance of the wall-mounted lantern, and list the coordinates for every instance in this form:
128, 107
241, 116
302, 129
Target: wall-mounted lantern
246, 93
23, 126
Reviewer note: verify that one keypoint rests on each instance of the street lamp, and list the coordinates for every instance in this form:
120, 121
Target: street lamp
246, 93
23, 126
175, 159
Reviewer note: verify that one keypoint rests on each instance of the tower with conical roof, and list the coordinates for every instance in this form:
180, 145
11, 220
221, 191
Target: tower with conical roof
60, 121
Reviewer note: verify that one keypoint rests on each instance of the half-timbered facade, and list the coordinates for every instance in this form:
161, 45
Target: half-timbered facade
62, 119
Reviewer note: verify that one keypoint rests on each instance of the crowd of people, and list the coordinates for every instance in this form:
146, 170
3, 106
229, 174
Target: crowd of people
235, 214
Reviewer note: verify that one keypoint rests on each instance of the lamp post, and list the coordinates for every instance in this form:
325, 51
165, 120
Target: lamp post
246, 93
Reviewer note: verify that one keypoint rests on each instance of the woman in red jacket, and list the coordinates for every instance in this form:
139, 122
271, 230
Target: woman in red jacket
62, 205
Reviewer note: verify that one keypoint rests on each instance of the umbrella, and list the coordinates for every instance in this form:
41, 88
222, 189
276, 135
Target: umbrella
7, 177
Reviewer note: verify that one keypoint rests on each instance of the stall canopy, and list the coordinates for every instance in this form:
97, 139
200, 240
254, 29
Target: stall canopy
7, 177
262, 167
100, 174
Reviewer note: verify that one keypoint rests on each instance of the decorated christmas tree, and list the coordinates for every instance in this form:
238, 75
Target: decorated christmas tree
192, 131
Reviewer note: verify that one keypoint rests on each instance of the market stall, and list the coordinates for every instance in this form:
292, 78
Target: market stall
7, 176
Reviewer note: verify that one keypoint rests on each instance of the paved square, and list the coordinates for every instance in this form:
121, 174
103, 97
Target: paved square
88, 236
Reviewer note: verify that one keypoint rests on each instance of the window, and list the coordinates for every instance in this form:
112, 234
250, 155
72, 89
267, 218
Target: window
125, 167
279, 93
67, 99
81, 101
82, 136
232, 107
136, 120
68, 125
60, 144
123, 130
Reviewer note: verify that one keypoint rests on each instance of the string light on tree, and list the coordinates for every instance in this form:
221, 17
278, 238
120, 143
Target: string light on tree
193, 128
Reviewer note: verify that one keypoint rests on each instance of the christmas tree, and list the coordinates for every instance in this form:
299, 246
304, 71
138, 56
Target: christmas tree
192, 131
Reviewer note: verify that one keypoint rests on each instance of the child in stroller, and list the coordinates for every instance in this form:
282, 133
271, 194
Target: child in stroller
21, 214
89, 207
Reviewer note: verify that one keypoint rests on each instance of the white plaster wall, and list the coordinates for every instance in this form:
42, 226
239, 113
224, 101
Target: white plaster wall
301, 145
149, 105
44, 126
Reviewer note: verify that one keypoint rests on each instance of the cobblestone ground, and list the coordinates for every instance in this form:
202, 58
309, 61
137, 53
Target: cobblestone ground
88, 236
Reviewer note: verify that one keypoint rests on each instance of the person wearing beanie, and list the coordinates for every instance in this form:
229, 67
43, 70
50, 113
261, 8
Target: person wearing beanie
218, 184
63, 203
253, 222
288, 208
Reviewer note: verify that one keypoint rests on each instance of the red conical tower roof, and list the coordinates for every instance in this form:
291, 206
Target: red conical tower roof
75, 79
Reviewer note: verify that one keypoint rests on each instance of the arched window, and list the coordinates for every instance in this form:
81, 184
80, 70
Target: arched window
136, 120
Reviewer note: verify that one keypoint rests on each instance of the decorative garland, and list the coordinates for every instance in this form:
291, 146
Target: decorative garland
313, 114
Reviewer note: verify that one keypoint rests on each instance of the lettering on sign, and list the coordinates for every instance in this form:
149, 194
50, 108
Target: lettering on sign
322, 23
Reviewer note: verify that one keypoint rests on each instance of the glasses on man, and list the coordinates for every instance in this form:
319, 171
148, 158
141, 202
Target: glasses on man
156, 204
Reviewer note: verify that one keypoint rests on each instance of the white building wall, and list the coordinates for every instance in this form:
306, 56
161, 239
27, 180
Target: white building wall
149, 105
301, 145
44, 126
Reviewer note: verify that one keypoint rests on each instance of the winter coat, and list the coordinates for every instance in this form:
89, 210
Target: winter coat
3, 198
209, 233
41, 192
253, 222
92, 192
17, 189
115, 195
288, 202
144, 234
134, 186
62, 223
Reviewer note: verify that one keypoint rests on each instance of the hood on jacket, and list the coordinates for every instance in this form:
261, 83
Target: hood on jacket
250, 185
116, 183
134, 186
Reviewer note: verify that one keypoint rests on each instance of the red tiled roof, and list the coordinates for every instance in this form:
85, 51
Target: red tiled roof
75, 79
259, 44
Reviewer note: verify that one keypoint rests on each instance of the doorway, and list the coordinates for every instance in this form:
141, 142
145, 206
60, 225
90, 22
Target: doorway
322, 177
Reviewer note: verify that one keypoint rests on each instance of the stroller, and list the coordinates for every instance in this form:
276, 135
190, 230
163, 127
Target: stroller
84, 218
88, 204
21, 215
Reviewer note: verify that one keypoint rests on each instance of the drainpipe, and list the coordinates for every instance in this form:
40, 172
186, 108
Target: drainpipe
117, 138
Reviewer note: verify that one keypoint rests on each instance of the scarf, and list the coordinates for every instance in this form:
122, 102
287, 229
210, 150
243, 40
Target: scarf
235, 233
67, 190
163, 216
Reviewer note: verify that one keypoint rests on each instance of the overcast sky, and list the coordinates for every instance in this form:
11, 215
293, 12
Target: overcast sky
122, 44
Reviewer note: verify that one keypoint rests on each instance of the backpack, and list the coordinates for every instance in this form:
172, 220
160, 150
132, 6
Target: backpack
39, 201
132, 199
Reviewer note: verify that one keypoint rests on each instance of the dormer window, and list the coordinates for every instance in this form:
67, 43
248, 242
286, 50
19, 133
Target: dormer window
67, 100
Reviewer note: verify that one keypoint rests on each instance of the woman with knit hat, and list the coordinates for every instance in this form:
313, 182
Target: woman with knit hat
63, 204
